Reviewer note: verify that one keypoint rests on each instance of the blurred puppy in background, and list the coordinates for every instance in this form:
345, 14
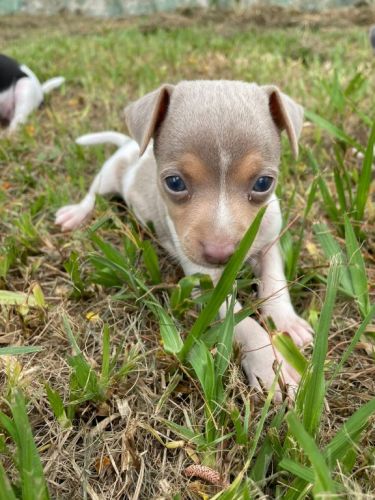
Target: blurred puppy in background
20, 92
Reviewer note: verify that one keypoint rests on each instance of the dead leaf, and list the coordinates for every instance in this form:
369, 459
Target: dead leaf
102, 464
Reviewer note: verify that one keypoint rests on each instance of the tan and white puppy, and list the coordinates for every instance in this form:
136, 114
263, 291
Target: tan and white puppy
203, 159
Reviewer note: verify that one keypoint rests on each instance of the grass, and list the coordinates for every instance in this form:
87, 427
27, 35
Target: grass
114, 378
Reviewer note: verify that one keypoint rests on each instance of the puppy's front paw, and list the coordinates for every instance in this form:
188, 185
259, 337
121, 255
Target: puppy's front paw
286, 320
259, 360
72, 216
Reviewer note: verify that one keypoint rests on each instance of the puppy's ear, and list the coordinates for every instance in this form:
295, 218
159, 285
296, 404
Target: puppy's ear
287, 115
143, 117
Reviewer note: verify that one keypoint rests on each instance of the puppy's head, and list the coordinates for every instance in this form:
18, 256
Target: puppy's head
217, 147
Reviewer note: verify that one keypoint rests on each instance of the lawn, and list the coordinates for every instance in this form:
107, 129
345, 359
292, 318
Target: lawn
100, 397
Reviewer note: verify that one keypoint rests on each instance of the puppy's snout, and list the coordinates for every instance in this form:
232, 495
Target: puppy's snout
217, 253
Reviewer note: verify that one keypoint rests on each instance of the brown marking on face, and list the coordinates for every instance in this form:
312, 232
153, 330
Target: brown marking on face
193, 168
248, 168
197, 219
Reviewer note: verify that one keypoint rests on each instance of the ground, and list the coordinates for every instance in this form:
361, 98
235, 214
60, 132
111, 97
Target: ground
121, 440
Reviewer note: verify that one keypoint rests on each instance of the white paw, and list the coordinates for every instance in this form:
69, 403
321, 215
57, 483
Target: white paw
260, 361
286, 320
72, 216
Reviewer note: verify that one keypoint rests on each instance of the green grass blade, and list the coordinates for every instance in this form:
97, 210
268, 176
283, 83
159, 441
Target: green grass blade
70, 335
30, 467
358, 334
302, 472
57, 406
85, 377
204, 368
323, 481
241, 435
185, 433
314, 385
344, 438
357, 269
118, 264
182, 292
340, 189
72, 267
231, 491
290, 352
298, 244
167, 393
298, 490
170, 336
331, 248
335, 451
326, 240
298, 470
225, 345
263, 416
355, 84
364, 181
6, 490
19, 350
224, 286
266, 451
8, 425
328, 201
332, 129
151, 262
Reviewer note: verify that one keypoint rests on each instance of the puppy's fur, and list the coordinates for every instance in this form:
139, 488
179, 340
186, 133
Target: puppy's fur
20, 92
219, 138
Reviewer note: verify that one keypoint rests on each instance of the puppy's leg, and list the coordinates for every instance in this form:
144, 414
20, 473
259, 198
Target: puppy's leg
27, 97
273, 287
108, 181
258, 354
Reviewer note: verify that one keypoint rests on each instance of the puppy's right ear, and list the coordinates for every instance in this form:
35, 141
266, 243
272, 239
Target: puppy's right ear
144, 116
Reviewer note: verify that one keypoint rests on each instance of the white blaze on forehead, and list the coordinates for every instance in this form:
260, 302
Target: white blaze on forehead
225, 159
223, 214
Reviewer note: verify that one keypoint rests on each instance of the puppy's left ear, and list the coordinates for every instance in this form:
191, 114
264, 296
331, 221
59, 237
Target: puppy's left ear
144, 116
287, 115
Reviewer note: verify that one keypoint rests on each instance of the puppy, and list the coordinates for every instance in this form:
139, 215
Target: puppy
20, 92
203, 159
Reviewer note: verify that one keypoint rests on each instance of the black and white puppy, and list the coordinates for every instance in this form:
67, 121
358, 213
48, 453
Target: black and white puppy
20, 92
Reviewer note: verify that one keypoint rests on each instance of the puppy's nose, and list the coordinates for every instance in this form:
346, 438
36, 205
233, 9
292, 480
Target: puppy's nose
218, 253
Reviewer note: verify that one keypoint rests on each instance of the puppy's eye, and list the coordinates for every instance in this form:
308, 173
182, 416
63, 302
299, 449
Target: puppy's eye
175, 183
263, 184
